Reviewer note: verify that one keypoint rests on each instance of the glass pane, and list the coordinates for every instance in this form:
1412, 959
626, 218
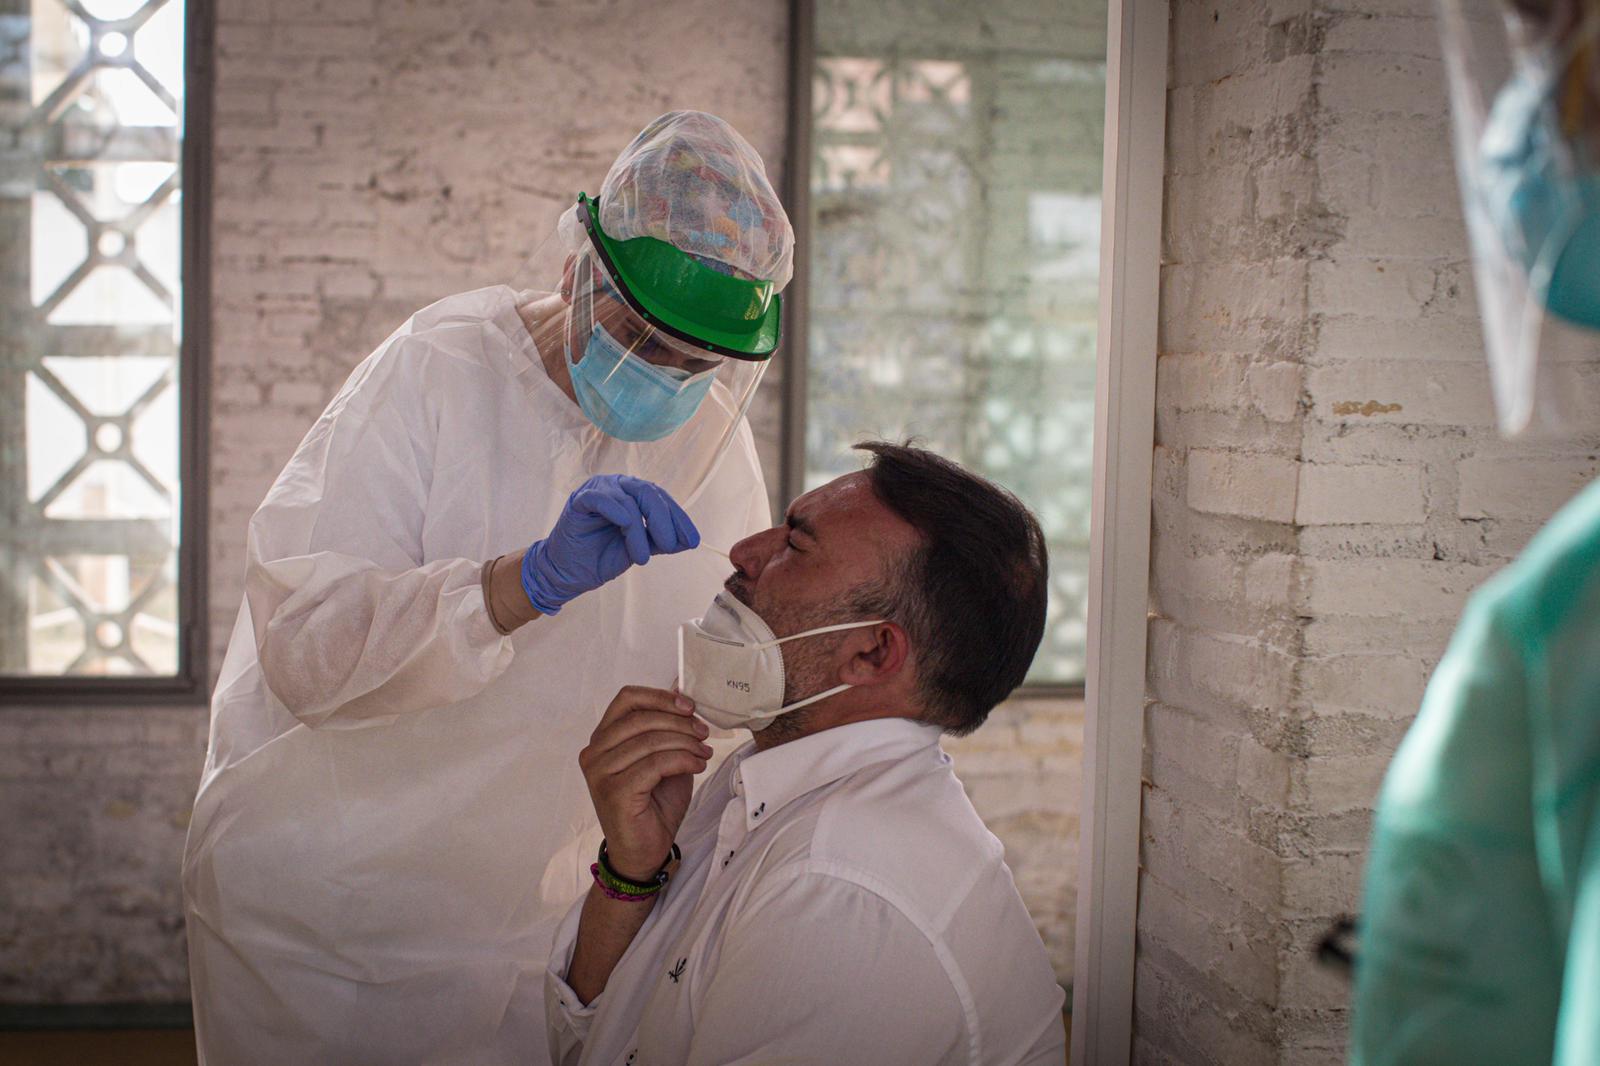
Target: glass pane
103, 615
56, 632
955, 250
89, 430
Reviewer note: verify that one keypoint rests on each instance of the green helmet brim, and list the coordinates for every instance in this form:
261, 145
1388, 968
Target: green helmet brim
685, 299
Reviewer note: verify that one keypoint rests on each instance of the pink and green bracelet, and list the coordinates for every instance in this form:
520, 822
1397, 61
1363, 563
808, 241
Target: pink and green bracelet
615, 886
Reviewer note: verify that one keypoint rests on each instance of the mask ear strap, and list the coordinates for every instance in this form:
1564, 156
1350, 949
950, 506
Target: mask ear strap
797, 704
841, 627
824, 694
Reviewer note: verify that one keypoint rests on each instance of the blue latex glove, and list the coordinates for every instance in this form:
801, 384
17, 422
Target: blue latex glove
611, 523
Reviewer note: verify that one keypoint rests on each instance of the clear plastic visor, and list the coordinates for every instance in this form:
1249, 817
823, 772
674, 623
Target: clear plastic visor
1524, 83
598, 304
585, 315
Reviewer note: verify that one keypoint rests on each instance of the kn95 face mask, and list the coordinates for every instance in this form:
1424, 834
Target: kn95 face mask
731, 665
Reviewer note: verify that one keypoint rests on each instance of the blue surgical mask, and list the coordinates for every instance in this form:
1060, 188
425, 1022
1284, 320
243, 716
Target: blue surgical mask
628, 397
1543, 199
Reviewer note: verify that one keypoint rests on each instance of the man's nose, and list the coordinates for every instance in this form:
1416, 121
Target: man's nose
751, 555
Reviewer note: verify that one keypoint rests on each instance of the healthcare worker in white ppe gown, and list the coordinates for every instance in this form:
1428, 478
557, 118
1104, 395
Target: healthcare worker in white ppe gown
498, 521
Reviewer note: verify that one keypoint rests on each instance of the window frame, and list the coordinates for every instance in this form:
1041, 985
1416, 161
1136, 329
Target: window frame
793, 354
1132, 193
191, 683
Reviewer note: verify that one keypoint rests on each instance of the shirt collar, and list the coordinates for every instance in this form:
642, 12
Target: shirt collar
770, 779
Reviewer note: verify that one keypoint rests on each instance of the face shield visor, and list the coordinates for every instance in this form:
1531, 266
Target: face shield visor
663, 353
1524, 83
634, 381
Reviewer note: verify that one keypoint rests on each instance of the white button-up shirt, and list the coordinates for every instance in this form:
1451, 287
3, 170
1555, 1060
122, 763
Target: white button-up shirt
839, 902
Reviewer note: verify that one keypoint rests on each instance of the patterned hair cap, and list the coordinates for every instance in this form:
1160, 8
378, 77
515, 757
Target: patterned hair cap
689, 179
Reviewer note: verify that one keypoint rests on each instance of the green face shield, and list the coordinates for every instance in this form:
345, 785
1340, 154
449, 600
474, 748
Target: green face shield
683, 298
663, 354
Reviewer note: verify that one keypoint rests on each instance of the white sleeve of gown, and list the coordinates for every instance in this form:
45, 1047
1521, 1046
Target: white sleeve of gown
349, 622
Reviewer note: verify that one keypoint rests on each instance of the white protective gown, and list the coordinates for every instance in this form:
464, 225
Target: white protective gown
392, 820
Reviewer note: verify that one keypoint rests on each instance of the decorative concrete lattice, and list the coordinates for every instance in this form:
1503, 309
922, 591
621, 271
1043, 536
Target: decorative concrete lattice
954, 277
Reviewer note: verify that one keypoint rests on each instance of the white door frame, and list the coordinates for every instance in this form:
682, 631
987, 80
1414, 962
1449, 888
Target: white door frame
1119, 540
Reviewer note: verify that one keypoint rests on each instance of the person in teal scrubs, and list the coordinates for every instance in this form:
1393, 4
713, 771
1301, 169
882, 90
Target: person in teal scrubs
1480, 932
1480, 927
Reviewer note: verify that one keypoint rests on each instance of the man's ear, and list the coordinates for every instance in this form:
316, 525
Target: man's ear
878, 655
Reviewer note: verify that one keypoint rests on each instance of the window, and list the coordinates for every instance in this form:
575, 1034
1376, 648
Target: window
100, 303
952, 226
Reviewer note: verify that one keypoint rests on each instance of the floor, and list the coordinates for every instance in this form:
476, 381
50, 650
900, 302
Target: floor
97, 1047
120, 1047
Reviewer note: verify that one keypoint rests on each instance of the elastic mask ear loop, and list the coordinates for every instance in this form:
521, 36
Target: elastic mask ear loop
767, 719
817, 633
825, 693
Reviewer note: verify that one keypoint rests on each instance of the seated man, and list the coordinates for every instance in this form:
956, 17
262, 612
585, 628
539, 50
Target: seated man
838, 900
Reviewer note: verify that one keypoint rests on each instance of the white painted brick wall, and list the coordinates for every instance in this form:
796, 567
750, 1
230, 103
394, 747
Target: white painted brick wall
1387, 588
1242, 484
1328, 491
1491, 487
1359, 495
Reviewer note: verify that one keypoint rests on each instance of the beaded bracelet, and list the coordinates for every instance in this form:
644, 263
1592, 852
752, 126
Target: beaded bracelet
612, 893
615, 886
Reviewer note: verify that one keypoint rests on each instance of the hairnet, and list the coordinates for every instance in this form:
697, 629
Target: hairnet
689, 179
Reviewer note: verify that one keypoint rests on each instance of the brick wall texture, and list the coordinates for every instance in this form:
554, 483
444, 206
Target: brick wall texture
1328, 490
369, 158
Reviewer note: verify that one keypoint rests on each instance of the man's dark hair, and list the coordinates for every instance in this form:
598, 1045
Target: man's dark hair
972, 597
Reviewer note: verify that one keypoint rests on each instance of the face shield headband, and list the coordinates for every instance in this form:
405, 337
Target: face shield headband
682, 298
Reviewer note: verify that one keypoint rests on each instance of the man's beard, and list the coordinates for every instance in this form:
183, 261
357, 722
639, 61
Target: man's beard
782, 623
806, 662
785, 727
739, 588
805, 673
805, 666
